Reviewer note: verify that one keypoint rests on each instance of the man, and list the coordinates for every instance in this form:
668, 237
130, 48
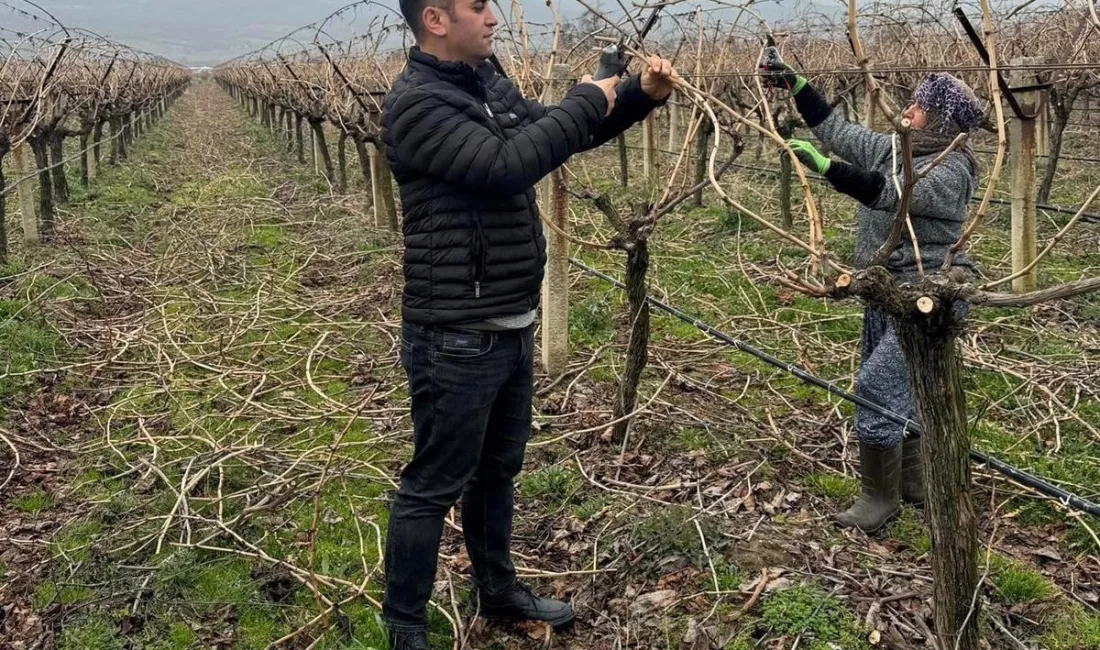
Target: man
467, 149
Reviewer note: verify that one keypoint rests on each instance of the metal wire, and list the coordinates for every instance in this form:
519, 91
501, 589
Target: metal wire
1090, 217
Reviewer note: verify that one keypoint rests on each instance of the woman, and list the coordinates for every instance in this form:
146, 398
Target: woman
943, 106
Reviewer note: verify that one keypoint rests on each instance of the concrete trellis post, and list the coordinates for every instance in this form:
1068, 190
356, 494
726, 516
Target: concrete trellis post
555, 284
1023, 146
385, 209
24, 165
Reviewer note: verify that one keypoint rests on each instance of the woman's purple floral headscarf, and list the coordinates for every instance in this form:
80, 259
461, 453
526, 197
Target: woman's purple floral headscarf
951, 104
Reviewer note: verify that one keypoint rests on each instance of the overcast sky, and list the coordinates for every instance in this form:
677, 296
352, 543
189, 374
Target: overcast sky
192, 32
209, 32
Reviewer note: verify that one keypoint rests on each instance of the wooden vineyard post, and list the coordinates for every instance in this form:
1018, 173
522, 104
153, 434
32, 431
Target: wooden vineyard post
3, 215
92, 166
555, 284
385, 211
673, 125
624, 167
1042, 131
649, 151
364, 169
701, 147
24, 166
342, 161
316, 152
1022, 139
786, 172
785, 128
298, 137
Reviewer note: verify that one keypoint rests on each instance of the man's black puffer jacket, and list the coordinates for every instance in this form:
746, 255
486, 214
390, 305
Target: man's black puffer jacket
467, 149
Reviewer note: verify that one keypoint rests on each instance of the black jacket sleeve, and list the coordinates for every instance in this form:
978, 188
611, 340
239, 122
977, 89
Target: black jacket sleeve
811, 105
858, 183
437, 137
632, 105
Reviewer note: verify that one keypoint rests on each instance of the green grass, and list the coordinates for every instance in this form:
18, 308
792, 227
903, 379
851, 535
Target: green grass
32, 503
833, 486
232, 184
670, 530
1073, 630
820, 619
554, 485
268, 237
1016, 583
77, 539
28, 343
729, 577
48, 593
910, 531
743, 641
590, 319
181, 636
589, 508
91, 633
692, 439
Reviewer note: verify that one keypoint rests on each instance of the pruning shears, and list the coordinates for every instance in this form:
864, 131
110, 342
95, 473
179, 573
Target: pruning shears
771, 55
613, 59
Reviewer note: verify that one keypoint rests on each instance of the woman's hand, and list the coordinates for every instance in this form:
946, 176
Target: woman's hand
778, 73
809, 156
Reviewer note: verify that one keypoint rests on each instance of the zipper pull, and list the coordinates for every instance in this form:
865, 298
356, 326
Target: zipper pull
477, 290
487, 109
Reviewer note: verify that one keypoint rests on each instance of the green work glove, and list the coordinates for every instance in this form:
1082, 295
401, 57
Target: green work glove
778, 73
809, 156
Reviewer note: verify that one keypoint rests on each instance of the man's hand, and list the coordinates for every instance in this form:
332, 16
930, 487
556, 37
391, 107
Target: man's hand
607, 86
809, 156
658, 78
778, 73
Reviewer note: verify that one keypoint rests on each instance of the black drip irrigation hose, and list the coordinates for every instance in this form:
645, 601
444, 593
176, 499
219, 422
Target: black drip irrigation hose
1067, 499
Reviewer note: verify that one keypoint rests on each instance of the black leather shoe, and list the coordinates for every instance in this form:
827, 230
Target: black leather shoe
409, 641
520, 604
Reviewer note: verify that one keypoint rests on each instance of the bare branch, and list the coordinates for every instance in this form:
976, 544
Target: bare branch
1067, 290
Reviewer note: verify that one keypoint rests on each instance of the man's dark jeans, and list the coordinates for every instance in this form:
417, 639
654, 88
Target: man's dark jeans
471, 409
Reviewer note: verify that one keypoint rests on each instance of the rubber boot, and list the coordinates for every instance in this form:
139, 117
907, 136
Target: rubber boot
880, 472
912, 481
